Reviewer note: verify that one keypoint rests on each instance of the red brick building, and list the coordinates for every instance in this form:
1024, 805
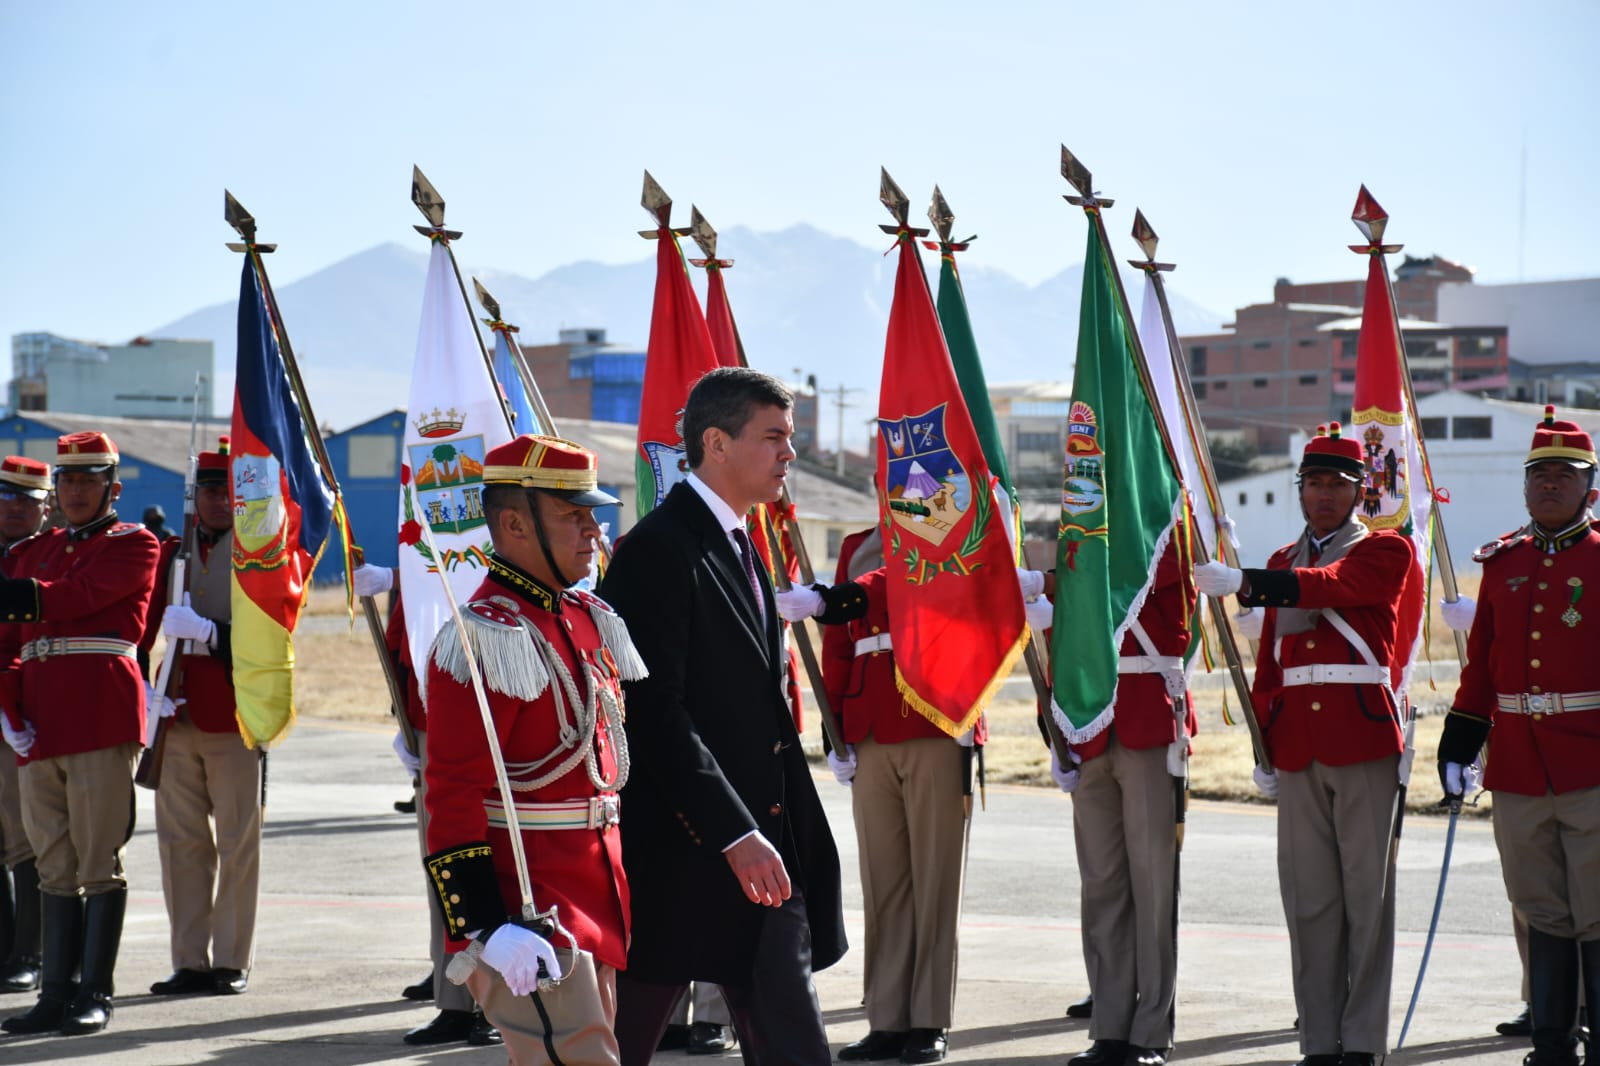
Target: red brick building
1290, 364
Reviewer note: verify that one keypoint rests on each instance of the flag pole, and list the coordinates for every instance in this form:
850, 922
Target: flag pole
1078, 176
1147, 240
706, 237
1370, 218
431, 204
245, 225
524, 372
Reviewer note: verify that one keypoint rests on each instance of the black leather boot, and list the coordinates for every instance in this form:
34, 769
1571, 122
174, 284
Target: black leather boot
8, 912
20, 971
1553, 981
63, 947
90, 1010
1589, 951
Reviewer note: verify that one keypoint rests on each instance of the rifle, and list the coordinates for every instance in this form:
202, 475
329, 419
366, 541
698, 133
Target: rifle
169, 675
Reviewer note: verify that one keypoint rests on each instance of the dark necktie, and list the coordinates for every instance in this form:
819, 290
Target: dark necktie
747, 556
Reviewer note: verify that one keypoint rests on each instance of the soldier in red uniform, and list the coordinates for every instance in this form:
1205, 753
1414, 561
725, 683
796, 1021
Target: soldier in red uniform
24, 503
73, 706
552, 659
908, 783
1323, 695
1531, 687
1127, 785
208, 804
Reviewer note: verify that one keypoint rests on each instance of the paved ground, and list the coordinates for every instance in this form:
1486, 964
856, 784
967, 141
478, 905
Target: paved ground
343, 923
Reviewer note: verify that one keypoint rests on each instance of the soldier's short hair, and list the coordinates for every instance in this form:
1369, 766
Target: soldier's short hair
726, 399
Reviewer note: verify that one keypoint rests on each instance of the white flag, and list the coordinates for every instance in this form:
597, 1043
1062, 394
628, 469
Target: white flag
454, 417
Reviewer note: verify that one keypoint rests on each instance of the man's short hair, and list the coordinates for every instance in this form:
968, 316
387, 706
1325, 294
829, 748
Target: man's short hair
497, 498
726, 399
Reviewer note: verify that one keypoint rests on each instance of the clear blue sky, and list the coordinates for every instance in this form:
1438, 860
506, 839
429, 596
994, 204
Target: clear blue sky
1243, 130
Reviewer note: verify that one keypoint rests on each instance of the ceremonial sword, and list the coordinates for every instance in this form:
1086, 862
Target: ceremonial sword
1433, 924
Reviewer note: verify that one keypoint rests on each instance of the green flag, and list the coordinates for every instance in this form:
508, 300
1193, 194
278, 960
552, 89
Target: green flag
1120, 500
957, 326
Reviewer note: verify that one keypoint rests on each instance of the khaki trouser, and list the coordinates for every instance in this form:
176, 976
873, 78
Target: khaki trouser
447, 995
78, 812
1333, 866
911, 826
709, 1006
1124, 820
14, 847
576, 1017
1550, 855
208, 833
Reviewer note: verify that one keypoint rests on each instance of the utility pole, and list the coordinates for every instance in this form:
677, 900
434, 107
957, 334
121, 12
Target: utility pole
837, 397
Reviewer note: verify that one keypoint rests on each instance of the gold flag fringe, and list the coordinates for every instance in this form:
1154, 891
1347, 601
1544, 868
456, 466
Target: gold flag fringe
970, 718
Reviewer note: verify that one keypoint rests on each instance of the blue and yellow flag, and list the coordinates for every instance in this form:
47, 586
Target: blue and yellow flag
283, 508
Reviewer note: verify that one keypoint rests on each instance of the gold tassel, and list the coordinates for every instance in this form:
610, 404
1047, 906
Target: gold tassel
506, 657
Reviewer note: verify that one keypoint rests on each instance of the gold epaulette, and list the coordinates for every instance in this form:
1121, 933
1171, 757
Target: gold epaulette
614, 635
510, 662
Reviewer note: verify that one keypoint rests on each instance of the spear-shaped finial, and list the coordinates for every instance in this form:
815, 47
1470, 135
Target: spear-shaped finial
656, 201
897, 203
702, 232
1371, 219
941, 216
490, 304
1144, 235
431, 204
1079, 178
243, 223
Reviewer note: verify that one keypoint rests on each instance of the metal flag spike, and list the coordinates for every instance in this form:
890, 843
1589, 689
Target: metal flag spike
656, 201
1079, 178
940, 214
490, 304
1144, 235
702, 232
893, 197
243, 223
1371, 219
431, 204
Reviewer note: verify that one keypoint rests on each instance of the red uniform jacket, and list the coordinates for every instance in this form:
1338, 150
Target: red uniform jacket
1142, 717
1537, 632
94, 583
578, 870
1333, 724
206, 683
395, 640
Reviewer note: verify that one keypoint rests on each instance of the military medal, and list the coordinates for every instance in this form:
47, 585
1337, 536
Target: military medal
1571, 615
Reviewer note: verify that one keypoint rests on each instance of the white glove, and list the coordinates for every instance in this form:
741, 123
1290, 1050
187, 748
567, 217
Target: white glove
369, 580
412, 764
1041, 613
1032, 582
180, 622
1066, 780
1248, 623
1217, 579
1267, 782
799, 603
21, 740
1458, 613
516, 953
158, 704
844, 770
1462, 780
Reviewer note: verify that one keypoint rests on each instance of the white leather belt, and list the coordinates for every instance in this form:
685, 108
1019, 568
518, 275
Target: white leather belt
1335, 674
876, 642
596, 812
46, 647
1149, 664
1548, 702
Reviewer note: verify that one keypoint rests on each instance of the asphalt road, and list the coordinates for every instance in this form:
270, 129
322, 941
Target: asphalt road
343, 927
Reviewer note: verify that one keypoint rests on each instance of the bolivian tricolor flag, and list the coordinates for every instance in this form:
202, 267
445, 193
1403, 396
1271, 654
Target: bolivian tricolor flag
283, 511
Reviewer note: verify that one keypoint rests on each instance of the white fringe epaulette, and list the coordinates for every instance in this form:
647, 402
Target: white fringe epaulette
614, 635
509, 662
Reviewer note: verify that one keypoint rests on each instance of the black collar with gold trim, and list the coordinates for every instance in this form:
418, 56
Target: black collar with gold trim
523, 583
99, 525
1550, 543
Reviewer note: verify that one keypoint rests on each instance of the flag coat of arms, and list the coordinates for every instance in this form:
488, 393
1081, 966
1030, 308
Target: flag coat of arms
679, 353
955, 610
1395, 489
454, 417
1121, 500
284, 509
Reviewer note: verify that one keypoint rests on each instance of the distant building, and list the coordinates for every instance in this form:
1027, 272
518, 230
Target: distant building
145, 378
1284, 366
1032, 419
583, 376
1556, 326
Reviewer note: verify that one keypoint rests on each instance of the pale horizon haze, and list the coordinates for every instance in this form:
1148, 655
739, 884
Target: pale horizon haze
1243, 131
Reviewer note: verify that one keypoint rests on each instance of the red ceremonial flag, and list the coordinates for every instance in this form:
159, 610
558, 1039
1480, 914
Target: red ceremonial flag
955, 609
680, 352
